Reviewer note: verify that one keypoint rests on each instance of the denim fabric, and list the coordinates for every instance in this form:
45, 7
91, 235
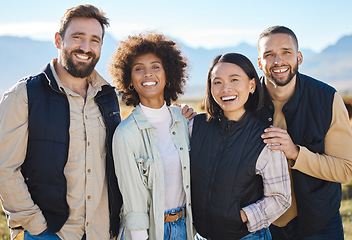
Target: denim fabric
144, 186
262, 234
175, 230
172, 230
46, 235
333, 230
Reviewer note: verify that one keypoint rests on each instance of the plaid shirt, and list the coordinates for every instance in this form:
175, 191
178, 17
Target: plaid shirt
272, 167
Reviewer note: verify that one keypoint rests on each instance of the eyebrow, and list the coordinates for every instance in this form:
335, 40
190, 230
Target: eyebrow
83, 34
232, 75
284, 48
143, 64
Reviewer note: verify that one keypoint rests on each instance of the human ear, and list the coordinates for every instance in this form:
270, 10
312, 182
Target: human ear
299, 58
252, 85
260, 63
58, 40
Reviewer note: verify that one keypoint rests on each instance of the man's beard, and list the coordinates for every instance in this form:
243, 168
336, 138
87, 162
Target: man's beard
78, 70
284, 82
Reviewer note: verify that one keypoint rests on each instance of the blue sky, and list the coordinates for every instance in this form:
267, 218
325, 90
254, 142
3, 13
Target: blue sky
203, 23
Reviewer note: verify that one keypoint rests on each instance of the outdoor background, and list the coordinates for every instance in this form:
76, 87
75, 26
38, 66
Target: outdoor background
203, 30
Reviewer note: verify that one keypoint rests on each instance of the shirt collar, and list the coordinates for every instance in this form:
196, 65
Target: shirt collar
95, 81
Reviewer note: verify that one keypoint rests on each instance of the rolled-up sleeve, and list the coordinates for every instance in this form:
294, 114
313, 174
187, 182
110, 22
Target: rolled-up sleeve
272, 166
15, 197
136, 197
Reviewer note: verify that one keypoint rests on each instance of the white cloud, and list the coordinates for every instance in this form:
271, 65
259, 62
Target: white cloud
121, 31
34, 30
216, 37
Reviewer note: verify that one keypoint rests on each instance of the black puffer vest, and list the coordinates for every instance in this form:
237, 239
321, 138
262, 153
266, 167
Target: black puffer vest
48, 146
223, 174
308, 116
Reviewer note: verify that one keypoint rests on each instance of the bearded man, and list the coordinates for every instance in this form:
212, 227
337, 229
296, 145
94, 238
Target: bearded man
57, 178
309, 123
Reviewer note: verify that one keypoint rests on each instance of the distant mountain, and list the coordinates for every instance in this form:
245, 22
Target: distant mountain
23, 56
333, 65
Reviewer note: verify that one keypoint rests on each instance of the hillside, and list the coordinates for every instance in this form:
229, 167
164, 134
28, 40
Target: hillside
23, 56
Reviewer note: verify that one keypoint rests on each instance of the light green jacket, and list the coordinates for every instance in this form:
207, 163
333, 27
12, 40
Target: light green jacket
140, 174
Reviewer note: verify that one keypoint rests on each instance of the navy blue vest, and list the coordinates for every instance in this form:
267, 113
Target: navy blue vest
48, 145
223, 174
308, 116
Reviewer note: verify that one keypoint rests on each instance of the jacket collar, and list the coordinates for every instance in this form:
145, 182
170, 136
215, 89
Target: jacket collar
97, 81
143, 123
230, 127
291, 105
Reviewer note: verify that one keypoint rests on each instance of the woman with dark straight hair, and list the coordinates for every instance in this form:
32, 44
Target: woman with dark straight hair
239, 186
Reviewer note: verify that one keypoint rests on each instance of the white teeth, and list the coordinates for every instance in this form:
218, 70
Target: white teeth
149, 83
228, 98
84, 57
280, 70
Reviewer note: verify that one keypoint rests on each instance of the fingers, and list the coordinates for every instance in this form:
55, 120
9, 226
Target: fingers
189, 112
192, 116
274, 132
185, 109
279, 139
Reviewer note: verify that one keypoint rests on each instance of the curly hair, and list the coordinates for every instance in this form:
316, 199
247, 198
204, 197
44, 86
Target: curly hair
173, 62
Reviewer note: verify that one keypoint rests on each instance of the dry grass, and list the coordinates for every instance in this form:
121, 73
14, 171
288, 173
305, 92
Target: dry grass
4, 231
346, 213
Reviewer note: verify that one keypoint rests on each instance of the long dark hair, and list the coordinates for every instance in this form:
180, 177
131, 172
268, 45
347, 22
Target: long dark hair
255, 100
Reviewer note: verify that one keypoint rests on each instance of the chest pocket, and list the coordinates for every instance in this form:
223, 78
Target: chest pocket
145, 168
145, 164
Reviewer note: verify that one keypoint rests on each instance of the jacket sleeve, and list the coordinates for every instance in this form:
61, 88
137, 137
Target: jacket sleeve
336, 163
272, 166
16, 200
132, 183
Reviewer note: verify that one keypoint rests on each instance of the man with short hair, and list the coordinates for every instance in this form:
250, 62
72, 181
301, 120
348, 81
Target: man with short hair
310, 124
57, 178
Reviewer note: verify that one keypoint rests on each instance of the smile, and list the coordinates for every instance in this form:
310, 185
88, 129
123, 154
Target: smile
148, 83
229, 98
280, 70
82, 56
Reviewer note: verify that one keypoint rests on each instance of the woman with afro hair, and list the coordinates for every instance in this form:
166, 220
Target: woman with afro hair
151, 146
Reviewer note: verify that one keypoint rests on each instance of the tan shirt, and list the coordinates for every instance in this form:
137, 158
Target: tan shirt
87, 195
335, 165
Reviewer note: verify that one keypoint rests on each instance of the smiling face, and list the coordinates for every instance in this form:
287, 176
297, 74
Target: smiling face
279, 58
79, 50
148, 79
230, 88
